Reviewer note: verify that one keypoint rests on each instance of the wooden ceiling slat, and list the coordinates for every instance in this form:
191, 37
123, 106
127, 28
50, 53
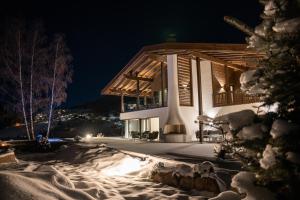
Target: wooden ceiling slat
119, 80
153, 69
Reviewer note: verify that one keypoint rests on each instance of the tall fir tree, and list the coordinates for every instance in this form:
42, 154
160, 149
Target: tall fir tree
269, 143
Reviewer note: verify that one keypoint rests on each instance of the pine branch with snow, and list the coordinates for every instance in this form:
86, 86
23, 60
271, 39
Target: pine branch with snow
269, 144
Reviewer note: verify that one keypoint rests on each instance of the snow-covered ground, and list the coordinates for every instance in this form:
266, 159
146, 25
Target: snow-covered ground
90, 171
155, 148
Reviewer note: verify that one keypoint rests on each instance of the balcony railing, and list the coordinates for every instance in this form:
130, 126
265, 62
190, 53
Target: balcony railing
133, 107
234, 98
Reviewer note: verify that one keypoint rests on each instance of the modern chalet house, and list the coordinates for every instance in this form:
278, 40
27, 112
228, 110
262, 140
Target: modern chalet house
174, 83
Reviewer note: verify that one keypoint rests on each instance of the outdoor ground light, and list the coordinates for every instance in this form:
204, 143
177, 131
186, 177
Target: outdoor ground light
88, 136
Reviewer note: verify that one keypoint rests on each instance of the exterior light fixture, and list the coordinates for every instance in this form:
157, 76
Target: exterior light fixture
88, 136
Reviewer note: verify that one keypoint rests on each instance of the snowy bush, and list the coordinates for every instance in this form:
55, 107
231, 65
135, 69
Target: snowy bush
255, 131
247, 80
239, 119
276, 134
280, 127
244, 182
293, 157
268, 159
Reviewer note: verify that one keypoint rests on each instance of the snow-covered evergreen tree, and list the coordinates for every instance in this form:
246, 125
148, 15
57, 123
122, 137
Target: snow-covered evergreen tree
269, 143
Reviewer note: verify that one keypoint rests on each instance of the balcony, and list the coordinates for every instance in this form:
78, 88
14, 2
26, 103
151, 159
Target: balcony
129, 107
156, 101
234, 98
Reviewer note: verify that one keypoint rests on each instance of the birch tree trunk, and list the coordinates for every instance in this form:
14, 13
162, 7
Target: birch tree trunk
52, 89
21, 85
31, 83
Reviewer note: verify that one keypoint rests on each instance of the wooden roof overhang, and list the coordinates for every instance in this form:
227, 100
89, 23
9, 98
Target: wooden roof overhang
146, 64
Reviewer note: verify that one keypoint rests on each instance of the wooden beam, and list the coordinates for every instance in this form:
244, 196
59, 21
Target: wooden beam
219, 61
128, 76
138, 94
122, 103
227, 85
162, 84
129, 93
199, 98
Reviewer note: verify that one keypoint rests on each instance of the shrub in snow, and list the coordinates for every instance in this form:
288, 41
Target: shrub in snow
255, 131
280, 127
268, 159
244, 182
201, 177
204, 169
77, 138
206, 177
239, 119
247, 80
287, 26
293, 157
182, 170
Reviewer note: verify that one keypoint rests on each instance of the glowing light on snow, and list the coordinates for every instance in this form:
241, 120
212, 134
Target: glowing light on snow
88, 136
211, 113
126, 166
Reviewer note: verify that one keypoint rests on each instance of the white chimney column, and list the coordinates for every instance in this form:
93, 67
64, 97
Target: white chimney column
174, 129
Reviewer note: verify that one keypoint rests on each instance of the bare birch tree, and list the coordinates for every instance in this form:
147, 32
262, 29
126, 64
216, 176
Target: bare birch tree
21, 82
11, 59
28, 79
62, 75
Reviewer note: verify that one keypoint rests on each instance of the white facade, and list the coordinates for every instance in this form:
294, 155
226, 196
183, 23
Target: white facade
187, 115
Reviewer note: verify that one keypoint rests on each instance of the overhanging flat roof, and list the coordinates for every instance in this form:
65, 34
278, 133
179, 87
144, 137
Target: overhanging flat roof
148, 60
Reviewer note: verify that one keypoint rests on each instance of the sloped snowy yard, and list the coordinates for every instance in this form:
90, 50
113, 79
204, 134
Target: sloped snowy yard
86, 172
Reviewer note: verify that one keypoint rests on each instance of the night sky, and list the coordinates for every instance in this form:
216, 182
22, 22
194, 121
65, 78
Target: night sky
104, 35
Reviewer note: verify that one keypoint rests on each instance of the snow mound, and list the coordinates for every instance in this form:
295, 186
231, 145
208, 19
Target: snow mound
255, 131
227, 195
281, 127
287, 26
46, 183
8, 157
237, 120
244, 182
293, 157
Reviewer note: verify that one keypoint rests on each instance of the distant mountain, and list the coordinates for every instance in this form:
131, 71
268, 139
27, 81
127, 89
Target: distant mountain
104, 105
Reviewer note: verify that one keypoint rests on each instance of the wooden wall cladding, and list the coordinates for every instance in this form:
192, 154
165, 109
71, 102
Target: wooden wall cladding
185, 81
